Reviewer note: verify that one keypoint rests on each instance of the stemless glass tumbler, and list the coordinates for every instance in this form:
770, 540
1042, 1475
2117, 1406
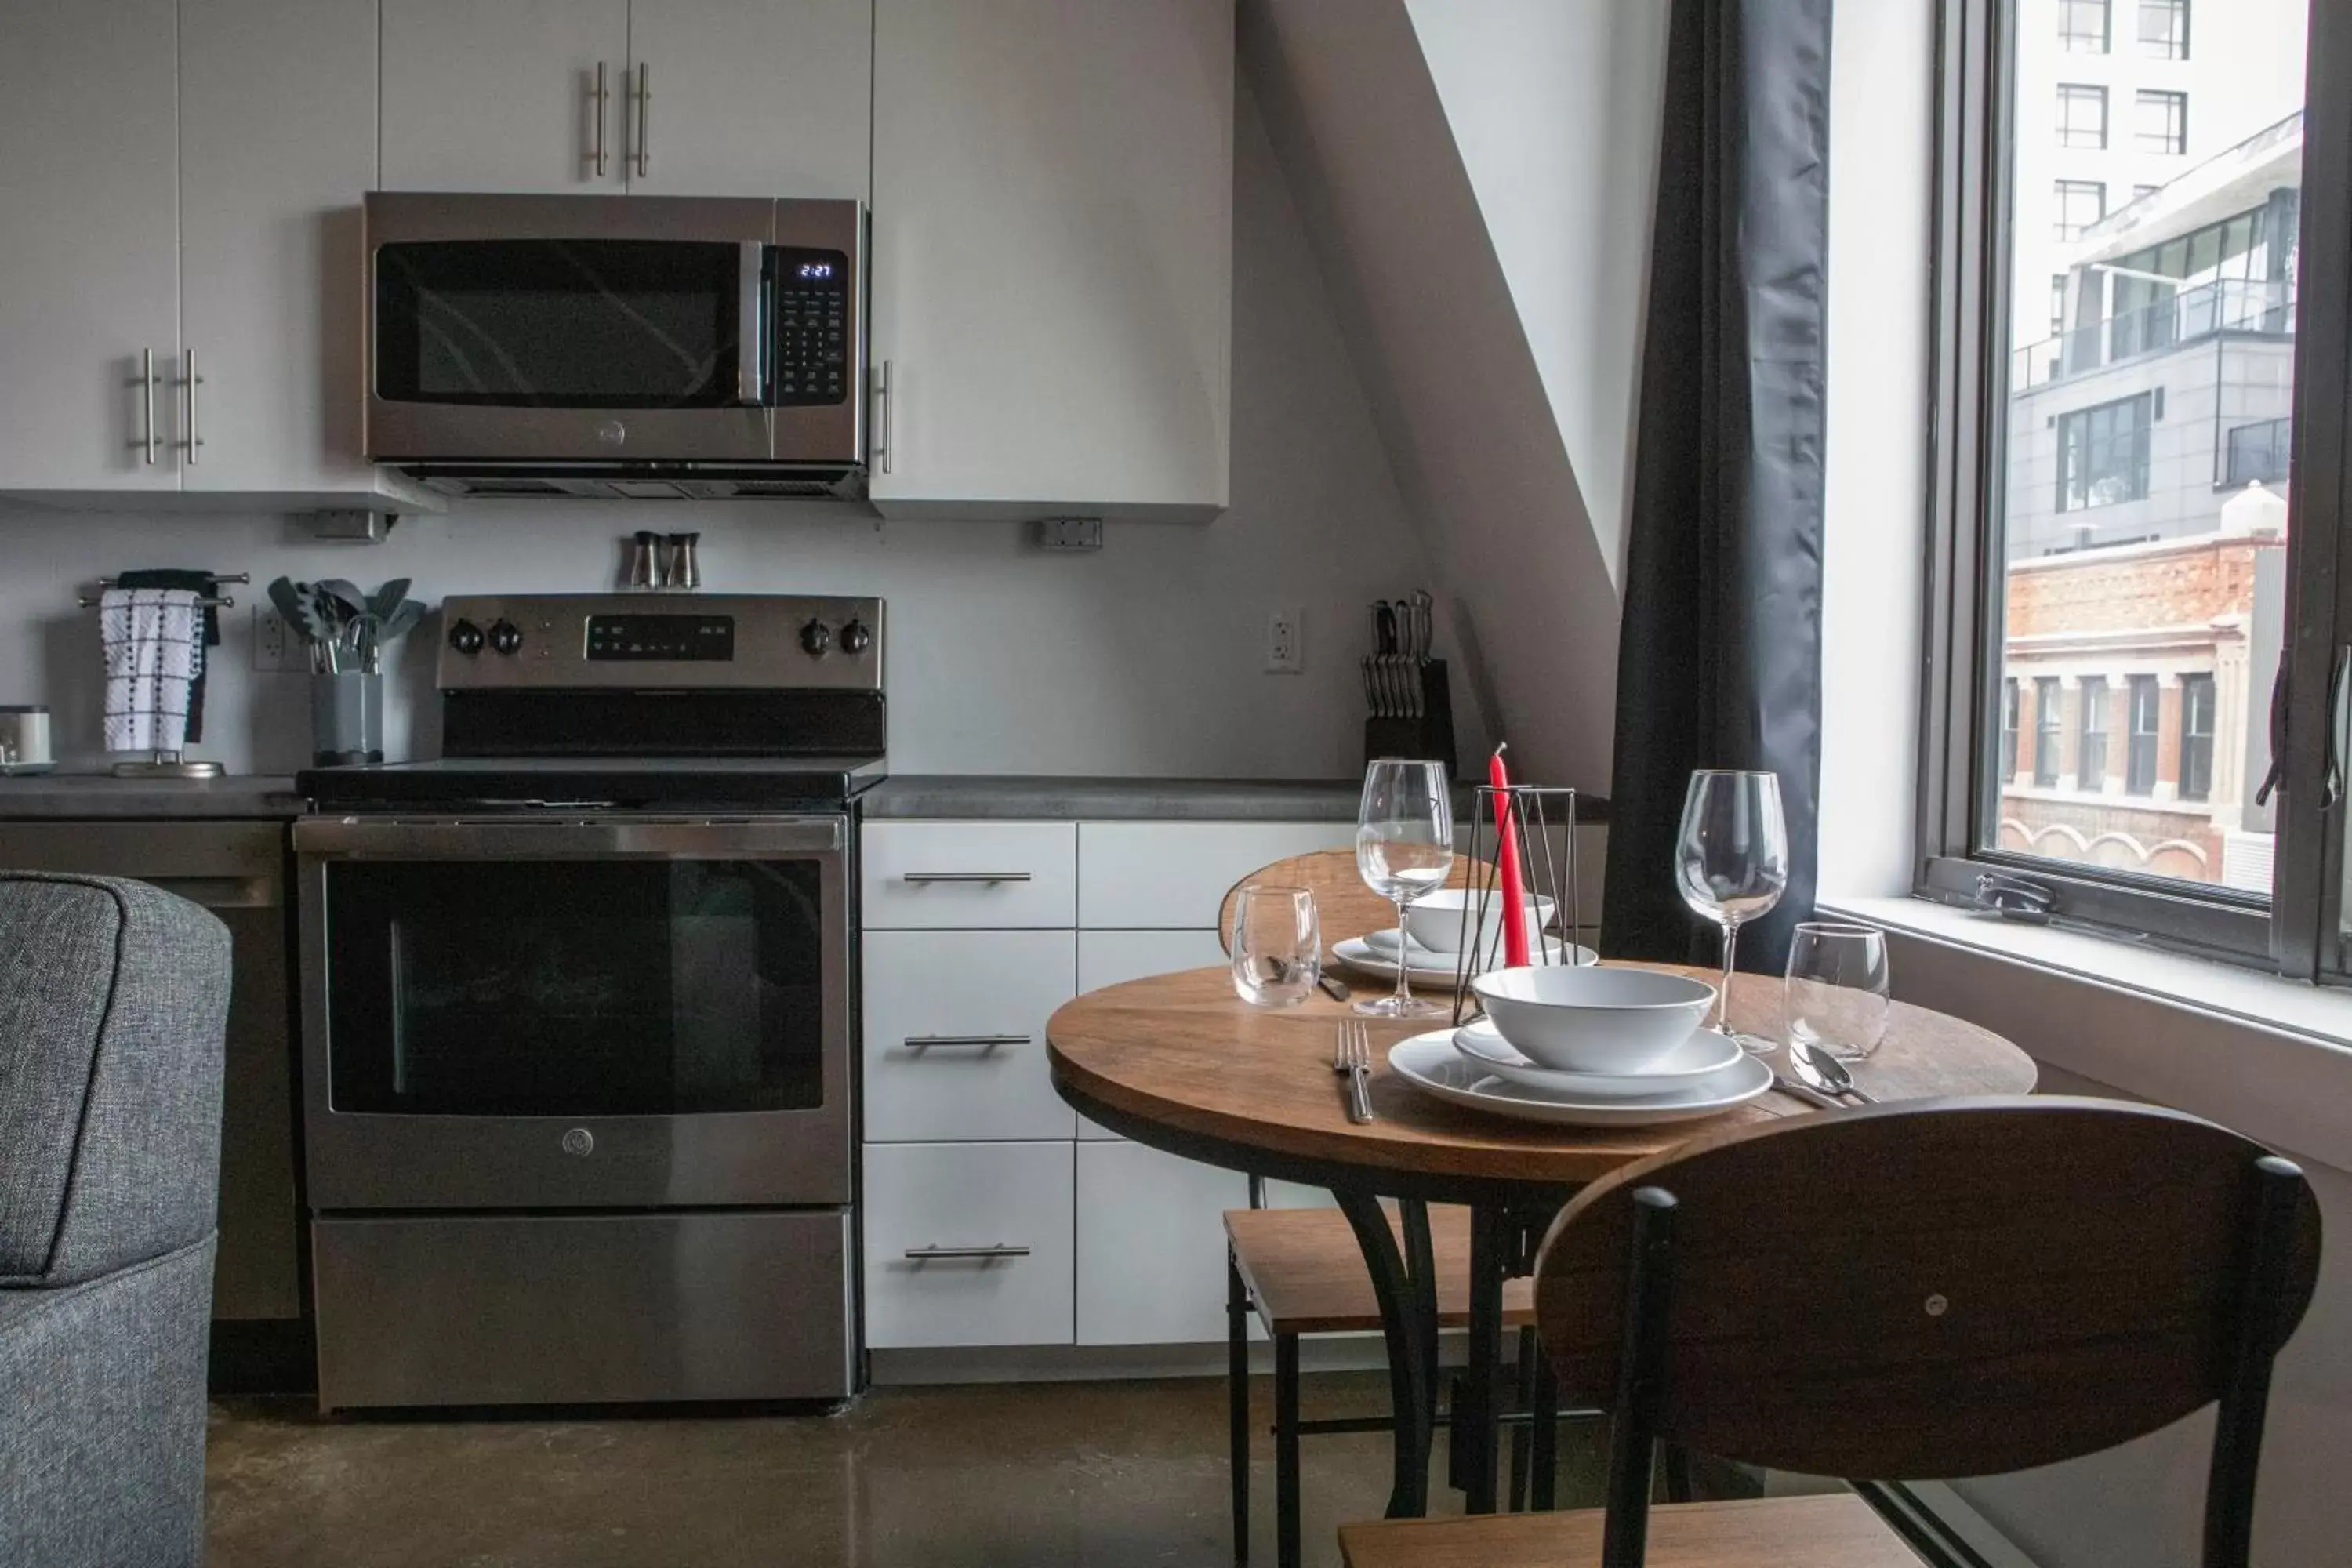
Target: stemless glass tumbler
1277, 944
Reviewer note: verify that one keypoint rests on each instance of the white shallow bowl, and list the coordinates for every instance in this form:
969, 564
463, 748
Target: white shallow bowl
1431, 1064
1437, 919
1600, 1019
1704, 1051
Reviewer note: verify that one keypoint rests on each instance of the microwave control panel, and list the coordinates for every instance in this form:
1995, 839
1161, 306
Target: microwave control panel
812, 298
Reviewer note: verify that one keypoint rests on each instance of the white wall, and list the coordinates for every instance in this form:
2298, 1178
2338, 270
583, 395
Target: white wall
1143, 659
1555, 107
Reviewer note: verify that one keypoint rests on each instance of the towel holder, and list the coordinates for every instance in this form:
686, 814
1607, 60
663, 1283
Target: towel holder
172, 765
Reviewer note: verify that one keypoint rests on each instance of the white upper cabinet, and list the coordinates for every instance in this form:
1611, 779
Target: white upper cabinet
501, 95
750, 98
1053, 257
277, 142
90, 263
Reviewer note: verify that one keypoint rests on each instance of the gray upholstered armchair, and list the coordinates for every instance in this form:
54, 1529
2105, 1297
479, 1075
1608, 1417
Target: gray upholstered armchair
113, 997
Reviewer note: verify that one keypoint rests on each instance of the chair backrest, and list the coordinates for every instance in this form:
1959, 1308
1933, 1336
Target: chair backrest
113, 1003
1945, 1289
1343, 905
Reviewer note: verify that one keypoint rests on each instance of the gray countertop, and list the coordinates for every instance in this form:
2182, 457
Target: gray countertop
68, 795
1148, 799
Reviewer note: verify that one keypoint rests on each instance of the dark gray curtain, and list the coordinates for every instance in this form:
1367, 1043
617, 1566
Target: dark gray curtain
1719, 658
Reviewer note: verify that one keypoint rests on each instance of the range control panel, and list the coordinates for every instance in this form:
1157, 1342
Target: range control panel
738, 642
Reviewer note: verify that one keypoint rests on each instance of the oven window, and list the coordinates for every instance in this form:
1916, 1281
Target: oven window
575, 988
558, 324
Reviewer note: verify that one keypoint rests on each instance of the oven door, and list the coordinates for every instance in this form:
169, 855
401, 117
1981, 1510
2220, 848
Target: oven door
628, 1013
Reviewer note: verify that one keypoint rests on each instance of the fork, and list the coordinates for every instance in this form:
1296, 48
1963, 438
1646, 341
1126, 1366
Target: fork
1351, 1054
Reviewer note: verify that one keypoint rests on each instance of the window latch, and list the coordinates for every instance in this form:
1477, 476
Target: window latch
2016, 898
2277, 774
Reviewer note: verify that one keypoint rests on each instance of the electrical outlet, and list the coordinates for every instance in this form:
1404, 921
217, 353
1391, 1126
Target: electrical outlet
1286, 641
277, 646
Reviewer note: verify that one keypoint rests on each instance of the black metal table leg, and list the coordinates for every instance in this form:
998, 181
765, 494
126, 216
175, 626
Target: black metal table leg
1542, 1492
1520, 1435
1237, 1396
1285, 1450
1476, 1430
1408, 1322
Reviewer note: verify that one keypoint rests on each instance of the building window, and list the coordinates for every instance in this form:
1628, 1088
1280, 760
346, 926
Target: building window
2163, 29
2195, 737
2045, 732
2058, 304
2163, 122
2103, 454
2011, 700
2083, 26
2083, 115
2081, 204
2091, 753
2263, 451
2139, 757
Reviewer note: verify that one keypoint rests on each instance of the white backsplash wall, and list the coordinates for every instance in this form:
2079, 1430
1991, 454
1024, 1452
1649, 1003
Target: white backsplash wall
1146, 657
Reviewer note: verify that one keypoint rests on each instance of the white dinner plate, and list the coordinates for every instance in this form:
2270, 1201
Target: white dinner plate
1429, 967
1707, 1051
1430, 1063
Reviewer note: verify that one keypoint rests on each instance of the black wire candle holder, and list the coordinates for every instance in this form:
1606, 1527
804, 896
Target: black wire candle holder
1545, 820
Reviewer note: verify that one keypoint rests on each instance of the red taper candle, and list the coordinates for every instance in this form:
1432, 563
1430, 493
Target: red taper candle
1506, 848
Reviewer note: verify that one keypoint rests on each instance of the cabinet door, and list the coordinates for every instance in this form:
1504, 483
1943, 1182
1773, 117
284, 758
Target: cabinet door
500, 95
89, 251
277, 142
1152, 1246
750, 98
1052, 255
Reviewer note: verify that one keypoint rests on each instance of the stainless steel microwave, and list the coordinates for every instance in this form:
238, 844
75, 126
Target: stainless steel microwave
631, 346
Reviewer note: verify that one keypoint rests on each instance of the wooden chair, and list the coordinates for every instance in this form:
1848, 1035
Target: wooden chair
1951, 1288
1300, 1271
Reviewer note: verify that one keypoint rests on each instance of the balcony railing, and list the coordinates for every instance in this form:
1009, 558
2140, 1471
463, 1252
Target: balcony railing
2265, 308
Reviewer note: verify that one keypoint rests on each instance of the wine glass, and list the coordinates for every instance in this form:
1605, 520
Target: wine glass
1732, 861
1404, 847
1277, 944
1835, 995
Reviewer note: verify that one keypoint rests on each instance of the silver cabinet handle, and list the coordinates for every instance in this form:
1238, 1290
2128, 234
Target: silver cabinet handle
597, 145
145, 382
925, 1254
191, 382
984, 1042
882, 417
921, 877
645, 116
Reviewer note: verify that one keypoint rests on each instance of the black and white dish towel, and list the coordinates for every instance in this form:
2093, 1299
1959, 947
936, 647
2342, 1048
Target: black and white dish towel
155, 640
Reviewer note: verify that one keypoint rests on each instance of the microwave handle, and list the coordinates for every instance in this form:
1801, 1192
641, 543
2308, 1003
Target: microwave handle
751, 325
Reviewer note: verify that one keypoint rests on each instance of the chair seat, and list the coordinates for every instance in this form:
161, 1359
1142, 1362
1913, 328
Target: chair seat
1837, 1532
1307, 1274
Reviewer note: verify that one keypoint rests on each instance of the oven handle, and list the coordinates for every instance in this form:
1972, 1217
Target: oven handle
621, 838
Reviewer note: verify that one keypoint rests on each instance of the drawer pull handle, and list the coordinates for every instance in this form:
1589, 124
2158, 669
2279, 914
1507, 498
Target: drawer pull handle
982, 1042
968, 877
930, 1254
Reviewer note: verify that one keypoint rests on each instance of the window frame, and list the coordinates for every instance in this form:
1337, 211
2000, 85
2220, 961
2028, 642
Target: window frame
2176, 38
2072, 94
2296, 931
2174, 101
2091, 703
2190, 736
2139, 778
2049, 731
2060, 189
2105, 437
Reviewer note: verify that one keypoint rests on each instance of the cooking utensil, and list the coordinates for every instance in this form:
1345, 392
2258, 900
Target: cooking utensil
1823, 1071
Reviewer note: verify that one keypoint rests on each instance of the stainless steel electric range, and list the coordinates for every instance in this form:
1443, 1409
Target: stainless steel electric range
578, 1010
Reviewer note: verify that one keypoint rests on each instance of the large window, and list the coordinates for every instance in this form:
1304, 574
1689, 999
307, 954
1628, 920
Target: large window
2081, 204
2083, 26
2081, 115
2163, 122
2164, 28
2118, 608
2103, 454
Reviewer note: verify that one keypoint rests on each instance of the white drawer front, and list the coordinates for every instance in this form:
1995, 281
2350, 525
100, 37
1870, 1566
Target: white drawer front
1175, 875
1108, 957
926, 1198
1152, 1246
955, 1034
957, 875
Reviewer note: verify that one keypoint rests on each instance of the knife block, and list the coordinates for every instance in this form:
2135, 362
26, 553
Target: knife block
1427, 736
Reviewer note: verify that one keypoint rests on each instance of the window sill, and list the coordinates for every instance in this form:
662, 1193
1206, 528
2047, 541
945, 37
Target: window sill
2270, 1057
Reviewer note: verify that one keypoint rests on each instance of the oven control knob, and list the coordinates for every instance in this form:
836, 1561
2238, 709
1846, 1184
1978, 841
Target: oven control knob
855, 638
465, 637
816, 638
506, 636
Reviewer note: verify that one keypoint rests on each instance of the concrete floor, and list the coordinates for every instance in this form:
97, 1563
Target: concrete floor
1023, 1476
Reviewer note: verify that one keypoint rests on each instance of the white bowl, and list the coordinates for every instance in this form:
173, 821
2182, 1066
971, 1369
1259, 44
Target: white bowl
1593, 1020
1435, 920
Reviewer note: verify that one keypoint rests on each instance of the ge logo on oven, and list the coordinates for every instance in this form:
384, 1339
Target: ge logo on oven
580, 1140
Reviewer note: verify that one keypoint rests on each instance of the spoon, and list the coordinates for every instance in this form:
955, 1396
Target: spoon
1823, 1071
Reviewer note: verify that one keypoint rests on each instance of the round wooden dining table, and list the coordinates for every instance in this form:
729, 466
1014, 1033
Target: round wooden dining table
1181, 1063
